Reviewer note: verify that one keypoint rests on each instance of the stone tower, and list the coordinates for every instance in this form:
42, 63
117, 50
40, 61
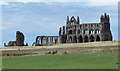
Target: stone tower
62, 34
105, 32
19, 39
71, 29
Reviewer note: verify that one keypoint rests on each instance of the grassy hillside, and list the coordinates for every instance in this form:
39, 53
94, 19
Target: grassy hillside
101, 60
67, 45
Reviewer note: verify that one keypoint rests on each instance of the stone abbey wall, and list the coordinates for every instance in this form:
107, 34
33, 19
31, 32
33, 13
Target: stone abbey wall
74, 32
46, 40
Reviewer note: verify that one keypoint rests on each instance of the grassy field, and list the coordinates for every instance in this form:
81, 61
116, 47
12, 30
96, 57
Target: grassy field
101, 60
68, 45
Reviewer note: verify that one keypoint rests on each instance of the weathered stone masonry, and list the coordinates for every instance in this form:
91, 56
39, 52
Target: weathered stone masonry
46, 40
74, 32
19, 40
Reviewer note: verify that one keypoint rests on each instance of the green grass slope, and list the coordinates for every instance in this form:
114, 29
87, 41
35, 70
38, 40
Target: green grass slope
101, 60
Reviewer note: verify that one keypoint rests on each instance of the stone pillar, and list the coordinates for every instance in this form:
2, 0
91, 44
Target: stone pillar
47, 41
41, 40
77, 39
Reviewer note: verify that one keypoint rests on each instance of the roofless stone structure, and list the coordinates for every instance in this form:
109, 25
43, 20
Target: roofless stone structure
73, 32
19, 40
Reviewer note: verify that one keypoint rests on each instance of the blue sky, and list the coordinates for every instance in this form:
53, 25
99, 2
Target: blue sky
45, 18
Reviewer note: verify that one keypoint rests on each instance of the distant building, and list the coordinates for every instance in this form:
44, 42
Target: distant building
74, 32
19, 40
88, 32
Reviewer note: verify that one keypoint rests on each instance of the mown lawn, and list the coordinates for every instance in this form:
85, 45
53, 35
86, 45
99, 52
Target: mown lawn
101, 60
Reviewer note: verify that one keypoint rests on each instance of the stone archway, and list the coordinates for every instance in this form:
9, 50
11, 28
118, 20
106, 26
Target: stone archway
39, 40
97, 31
70, 31
92, 38
43, 40
86, 39
91, 31
80, 38
86, 32
74, 39
74, 32
97, 38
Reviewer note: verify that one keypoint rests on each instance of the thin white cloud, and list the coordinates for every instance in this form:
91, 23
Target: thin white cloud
3, 3
102, 3
106, 1
88, 2
25, 1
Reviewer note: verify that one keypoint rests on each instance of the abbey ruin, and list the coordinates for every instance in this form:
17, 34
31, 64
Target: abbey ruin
74, 32
19, 40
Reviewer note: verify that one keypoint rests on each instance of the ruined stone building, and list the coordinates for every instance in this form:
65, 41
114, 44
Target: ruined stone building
19, 40
46, 40
74, 32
